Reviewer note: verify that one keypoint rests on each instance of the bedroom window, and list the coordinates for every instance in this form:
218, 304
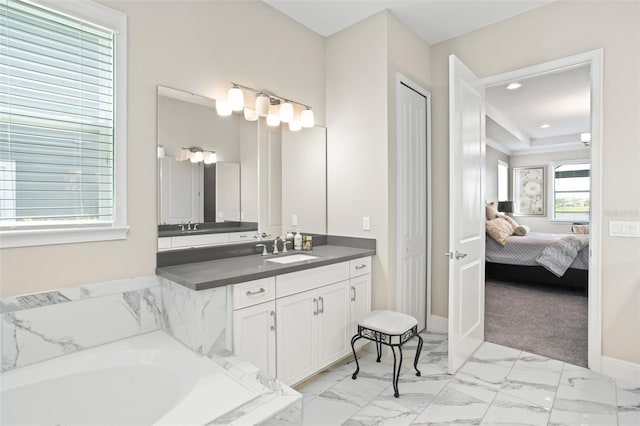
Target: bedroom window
571, 191
503, 181
62, 123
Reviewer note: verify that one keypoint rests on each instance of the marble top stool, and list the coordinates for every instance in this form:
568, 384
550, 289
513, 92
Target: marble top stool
392, 329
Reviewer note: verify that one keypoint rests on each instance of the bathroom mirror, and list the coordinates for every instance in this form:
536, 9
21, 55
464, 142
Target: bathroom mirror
265, 175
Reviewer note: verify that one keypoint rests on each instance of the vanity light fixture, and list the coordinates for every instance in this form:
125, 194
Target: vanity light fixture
275, 108
307, 118
235, 98
262, 104
197, 155
295, 125
250, 114
223, 108
210, 157
286, 112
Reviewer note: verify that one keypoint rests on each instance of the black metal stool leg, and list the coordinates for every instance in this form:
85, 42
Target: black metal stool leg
393, 380
418, 350
353, 348
378, 350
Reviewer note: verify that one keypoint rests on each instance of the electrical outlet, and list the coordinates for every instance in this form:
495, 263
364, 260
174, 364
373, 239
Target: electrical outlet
294, 220
366, 223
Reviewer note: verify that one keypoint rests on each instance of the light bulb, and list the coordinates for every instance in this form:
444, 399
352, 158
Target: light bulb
250, 114
286, 112
307, 118
210, 157
223, 108
185, 154
273, 120
235, 98
295, 125
262, 105
196, 156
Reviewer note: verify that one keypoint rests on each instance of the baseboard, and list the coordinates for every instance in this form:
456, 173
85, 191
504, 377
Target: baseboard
625, 372
438, 324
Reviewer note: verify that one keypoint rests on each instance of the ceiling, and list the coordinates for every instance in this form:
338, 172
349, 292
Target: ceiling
432, 20
559, 99
514, 117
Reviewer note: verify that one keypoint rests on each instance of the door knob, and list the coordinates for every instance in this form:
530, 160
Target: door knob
460, 255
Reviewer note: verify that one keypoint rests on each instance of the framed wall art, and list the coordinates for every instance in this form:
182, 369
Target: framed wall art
528, 191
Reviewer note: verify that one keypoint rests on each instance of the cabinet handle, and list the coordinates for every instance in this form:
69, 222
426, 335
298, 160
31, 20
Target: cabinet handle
315, 312
321, 306
273, 314
353, 290
251, 293
361, 266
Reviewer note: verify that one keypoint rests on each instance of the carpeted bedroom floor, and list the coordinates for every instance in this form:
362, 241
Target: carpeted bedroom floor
542, 320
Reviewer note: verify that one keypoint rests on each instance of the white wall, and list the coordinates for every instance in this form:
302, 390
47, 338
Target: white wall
492, 157
569, 28
198, 47
361, 67
544, 223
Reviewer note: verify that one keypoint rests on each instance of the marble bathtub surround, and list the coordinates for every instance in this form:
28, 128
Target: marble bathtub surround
46, 325
498, 385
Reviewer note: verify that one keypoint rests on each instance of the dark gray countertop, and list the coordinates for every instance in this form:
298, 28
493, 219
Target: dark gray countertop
221, 272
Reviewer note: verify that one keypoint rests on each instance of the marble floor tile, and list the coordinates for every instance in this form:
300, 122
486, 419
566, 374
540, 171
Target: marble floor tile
509, 410
629, 418
534, 379
576, 400
415, 392
472, 388
587, 380
359, 392
328, 409
571, 418
488, 374
452, 406
383, 412
628, 398
496, 354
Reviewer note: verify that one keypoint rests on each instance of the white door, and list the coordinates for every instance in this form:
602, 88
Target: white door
254, 335
466, 217
296, 332
182, 200
227, 191
270, 179
333, 321
411, 202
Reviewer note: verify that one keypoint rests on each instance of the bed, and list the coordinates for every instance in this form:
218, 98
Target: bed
518, 260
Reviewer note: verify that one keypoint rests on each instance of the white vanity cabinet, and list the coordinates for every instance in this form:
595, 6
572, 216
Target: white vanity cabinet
300, 322
254, 323
311, 331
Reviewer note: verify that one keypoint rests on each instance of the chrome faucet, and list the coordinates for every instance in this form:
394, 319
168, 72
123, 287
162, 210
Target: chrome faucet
264, 249
275, 245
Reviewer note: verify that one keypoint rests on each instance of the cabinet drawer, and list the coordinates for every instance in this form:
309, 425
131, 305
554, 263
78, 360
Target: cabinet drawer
360, 266
240, 237
300, 281
164, 243
253, 292
200, 240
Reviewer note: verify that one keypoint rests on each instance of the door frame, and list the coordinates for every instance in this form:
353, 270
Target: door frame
595, 59
400, 81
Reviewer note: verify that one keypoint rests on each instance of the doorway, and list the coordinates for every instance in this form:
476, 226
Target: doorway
594, 60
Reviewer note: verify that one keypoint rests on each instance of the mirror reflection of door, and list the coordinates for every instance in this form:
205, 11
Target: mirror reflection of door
181, 199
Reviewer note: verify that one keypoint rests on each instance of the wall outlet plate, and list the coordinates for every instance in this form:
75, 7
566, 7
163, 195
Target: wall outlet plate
294, 220
366, 223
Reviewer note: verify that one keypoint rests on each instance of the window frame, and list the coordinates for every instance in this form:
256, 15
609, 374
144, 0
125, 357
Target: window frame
504, 164
24, 236
552, 193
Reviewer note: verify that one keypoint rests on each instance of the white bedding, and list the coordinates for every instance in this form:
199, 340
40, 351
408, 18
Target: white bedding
525, 250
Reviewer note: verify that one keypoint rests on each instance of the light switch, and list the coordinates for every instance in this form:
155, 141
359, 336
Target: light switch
294, 220
624, 229
366, 223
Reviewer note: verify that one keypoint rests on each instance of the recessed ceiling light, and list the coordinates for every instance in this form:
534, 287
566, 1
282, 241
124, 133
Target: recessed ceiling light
545, 126
513, 86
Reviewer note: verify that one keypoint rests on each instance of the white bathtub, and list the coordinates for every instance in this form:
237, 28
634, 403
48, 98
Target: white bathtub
144, 380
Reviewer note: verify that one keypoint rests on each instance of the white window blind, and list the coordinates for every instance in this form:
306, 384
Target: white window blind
56, 119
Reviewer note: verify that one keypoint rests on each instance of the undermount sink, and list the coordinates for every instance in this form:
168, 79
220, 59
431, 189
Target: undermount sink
292, 258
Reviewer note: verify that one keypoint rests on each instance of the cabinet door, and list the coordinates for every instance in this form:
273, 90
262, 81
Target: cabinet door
296, 332
359, 303
333, 322
254, 335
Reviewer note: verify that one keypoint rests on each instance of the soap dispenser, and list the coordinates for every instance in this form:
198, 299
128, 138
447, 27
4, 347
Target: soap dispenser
297, 241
